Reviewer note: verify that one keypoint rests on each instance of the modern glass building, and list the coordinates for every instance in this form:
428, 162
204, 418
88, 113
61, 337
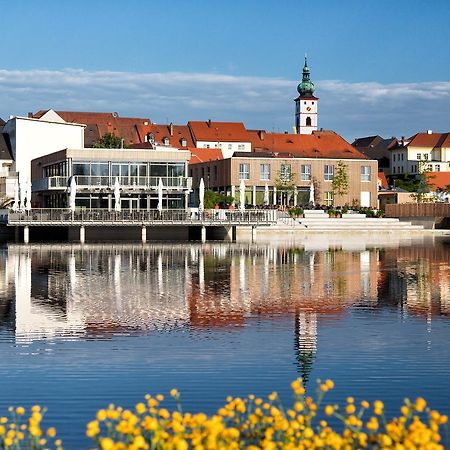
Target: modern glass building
95, 171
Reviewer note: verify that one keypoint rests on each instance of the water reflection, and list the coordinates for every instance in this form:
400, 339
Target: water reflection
73, 291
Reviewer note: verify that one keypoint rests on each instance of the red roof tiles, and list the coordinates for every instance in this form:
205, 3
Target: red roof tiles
430, 140
320, 144
438, 180
219, 131
200, 155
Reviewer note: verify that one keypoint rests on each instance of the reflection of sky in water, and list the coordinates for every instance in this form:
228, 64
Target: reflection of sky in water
83, 326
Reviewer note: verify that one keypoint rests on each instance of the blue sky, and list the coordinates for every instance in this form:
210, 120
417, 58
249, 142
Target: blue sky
380, 67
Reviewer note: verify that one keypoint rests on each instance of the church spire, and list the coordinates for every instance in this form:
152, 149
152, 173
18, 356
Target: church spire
306, 87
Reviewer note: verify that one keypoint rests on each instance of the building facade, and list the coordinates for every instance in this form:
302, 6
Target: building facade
95, 171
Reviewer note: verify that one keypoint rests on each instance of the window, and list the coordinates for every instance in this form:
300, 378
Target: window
244, 171
205, 145
264, 171
430, 167
393, 170
425, 156
305, 172
437, 168
419, 156
183, 142
215, 173
365, 173
285, 172
241, 147
328, 172
393, 157
402, 156
230, 146
308, 121
328, 198
166, 141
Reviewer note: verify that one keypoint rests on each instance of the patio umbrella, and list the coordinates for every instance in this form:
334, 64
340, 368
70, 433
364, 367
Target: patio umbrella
28, 196
117, 195
22, 192
266, 195
16, 205
242, 196
160, 194
73, 193
201, 196
311, 193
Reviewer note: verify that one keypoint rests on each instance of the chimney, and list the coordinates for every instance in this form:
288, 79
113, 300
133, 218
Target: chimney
261, 134
430, 131
171, 128
30, 115
209, 123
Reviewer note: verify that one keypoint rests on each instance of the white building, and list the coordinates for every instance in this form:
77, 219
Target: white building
32, 138
428, 152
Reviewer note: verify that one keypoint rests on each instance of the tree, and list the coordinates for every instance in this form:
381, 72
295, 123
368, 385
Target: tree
286, 181
339, 185
109, 140
213, 198
423, 182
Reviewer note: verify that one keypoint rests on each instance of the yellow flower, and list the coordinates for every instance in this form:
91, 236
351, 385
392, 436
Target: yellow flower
101, 415
141, 408
365, 404
106, 444
272, 396
330, 384
329, 410
420, 404
350, 409
350, 400
51, 432
20, 410
174, 393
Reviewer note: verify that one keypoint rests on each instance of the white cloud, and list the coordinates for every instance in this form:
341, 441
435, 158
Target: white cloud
352, 109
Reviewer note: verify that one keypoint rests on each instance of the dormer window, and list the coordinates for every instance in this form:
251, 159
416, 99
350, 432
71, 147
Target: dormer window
165, 140
183, 142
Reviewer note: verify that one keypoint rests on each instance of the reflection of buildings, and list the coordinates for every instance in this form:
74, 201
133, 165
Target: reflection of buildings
83, 290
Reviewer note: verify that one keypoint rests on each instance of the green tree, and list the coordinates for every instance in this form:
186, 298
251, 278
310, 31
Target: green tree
213, 198
109, 140
286, 180
339, 185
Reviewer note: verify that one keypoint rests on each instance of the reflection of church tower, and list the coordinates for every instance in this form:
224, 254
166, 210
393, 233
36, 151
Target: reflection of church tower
305, 342
306, 105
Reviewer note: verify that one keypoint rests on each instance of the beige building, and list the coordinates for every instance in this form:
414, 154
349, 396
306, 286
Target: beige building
305, 162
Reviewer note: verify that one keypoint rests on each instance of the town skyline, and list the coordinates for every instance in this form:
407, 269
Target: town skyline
200, 62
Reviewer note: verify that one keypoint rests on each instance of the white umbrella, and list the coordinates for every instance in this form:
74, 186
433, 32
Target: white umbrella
311, 193
266, 195
201, 196
16, 205
117, 195
28, 196
242, 196
73, 193
22, 192
160, 194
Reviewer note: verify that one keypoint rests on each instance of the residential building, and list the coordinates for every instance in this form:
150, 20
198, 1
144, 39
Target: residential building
32, 138
310, 161
7, 174
427, 151
96, 170
376, 147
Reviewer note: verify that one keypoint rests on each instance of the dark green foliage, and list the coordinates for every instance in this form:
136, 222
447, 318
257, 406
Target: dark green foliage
109, 140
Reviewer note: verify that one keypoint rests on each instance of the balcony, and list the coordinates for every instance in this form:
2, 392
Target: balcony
106, 182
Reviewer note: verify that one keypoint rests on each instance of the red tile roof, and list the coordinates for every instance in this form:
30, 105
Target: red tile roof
200, 155
219, 131
382, 180
131, 129
430, 140
438, 180
175, 133
320, 144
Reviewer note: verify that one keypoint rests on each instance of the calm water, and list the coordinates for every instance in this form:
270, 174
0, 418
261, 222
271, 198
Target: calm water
81, 327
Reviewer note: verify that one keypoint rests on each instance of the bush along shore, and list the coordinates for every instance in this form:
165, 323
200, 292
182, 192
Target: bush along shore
242, 423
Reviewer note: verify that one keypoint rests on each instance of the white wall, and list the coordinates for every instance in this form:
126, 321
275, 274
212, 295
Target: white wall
224, 146
306, 108
32, 138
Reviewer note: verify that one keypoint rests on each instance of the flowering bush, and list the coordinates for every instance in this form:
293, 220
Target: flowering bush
251, 423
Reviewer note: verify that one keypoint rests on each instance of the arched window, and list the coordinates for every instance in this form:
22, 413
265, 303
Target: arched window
308, 121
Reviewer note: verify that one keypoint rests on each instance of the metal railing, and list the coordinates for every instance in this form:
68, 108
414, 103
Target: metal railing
90, 181
56, 216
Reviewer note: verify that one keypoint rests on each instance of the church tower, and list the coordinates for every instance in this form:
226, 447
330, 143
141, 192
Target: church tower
306, 104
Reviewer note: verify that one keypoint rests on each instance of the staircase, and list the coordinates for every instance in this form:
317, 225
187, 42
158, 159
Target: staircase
318, 220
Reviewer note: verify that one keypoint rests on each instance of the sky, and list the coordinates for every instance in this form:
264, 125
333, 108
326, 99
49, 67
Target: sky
379, 66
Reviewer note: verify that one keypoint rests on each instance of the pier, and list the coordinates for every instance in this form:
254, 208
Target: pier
220, 223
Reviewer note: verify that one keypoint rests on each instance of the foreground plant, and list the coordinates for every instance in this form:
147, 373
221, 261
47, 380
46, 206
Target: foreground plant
19, 431
256, 423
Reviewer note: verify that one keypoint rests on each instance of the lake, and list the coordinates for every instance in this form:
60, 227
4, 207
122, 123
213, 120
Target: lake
84, 326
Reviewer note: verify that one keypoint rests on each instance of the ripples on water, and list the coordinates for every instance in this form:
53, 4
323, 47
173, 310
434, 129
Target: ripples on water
84, 326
